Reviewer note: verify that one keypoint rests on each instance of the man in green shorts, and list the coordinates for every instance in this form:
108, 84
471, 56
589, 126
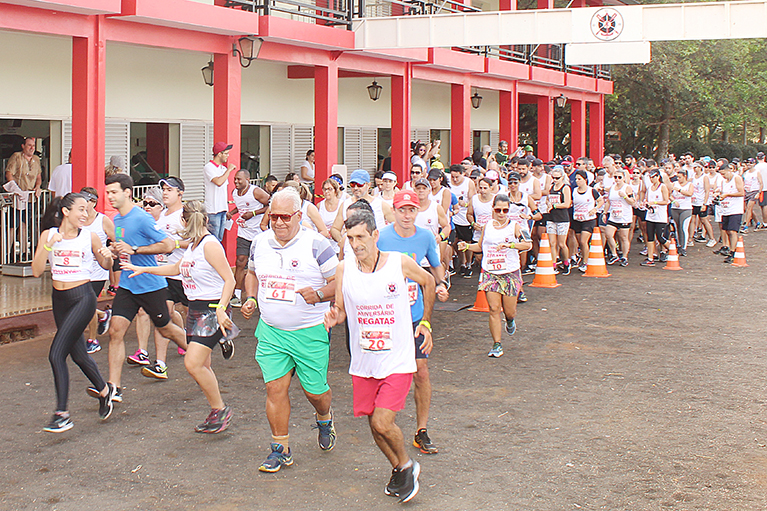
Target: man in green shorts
293, 270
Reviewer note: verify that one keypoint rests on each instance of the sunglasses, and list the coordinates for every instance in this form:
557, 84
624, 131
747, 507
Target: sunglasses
285, 218
501, 210
356, 185
150, 204
618, 177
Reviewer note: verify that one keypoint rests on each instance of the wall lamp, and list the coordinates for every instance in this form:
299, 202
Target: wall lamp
561, 100
476, 99
207, 73
247, 48
374, 91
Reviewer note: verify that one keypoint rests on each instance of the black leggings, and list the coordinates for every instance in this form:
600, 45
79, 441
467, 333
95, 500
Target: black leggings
73, 309
657, 231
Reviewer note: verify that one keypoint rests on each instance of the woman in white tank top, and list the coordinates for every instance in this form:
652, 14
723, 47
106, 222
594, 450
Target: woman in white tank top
500, 243
328, 208
681, 210
209, 284
70, 250
480, 209
752, 184
619, 210
657, 199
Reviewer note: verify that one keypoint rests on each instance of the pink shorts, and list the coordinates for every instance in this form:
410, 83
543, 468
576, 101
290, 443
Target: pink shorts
389, 393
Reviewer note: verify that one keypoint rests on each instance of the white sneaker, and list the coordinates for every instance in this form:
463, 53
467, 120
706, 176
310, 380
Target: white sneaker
711, 243
690, 243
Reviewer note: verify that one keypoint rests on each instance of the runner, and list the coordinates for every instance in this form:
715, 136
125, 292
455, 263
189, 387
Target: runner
752, 185
524, 211
328, 208
657, 200
406, 237
619, 212
359, 182
479, 212
432, 217
138, 241
372, 295
701, 199
500, 279
681, 210
250, 202
463, 188
587, 201
541, 173
208, 283
70, 250
294, 269
388, 187
731, 201
558, 223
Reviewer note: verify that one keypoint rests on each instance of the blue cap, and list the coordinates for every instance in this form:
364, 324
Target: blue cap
559, 168
360, 177
706, 159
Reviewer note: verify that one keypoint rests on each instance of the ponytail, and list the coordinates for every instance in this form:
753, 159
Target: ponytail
196, 218
53, 215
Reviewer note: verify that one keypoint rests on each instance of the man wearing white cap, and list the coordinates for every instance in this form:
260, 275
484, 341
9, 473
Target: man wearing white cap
359, 184
216, 177
388, 187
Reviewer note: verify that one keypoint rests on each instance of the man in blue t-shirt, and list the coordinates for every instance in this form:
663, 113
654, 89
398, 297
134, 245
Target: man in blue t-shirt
403, 236
137, 241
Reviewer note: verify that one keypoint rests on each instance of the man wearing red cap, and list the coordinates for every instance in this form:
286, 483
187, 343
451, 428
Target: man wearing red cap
216, 176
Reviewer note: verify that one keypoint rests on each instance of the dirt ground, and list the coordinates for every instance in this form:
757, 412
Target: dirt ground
641, 391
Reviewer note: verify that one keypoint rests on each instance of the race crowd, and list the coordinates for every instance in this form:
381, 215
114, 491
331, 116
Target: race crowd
371, 258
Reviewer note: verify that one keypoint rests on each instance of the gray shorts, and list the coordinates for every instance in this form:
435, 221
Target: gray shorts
243, 246
558, 228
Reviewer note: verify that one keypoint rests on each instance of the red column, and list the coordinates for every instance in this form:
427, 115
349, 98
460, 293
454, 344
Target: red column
577, 128
507, 5
460, 121
545, 4
88, 100
545, 149
509, 117
325, 122
597, 130
226, 122
400, 125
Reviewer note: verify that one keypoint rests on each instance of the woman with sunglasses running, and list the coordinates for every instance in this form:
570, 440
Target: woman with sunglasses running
558, 222
501, 280
620, 215
70, 250
208, 283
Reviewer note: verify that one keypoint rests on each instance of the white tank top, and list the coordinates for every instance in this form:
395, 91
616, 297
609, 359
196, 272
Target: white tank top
528, 187
376, 205
328, 217
429, 219
483, 212
499, 260
437, 197
659, 213
71, 260
698, 190
751, 181
305, 220
583, 204
542, 203
682, 201
462, 192
517, 209
201, 281
620, 210
170, 224
731, 205
248, 229
380, 322
97, 227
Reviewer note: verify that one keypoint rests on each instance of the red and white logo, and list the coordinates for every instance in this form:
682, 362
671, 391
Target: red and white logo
607, 24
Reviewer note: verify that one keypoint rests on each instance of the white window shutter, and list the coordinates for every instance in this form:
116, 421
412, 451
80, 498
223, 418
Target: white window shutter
495, 138
369, 145
352, 148
116, 141
194, 156
302, 141
422, 134
280, 153
66, 139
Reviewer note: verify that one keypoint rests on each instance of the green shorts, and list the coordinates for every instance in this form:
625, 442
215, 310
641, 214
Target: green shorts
306, 350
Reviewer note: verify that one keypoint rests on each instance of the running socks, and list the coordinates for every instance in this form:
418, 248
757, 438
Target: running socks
324, 418
283, 441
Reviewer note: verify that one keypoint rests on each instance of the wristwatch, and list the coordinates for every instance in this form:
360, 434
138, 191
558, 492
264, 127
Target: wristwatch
135, 248
320, 294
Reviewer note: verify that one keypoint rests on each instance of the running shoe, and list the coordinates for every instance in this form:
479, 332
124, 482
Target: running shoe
612, 260
422, 441
682, 252
521, 297
640, 238
759, 226
409, 487
700, 238
276, 459
496, 351
111, 290
468, 272
566, 269
527, 271
663, 257
59, 424
711, 243
647, 262
729, 259
92, 346
450, 271
227, 348
394, 482
117, 398
138, 359
690, 244
326, 437
582, 268
723, 250
155, 371
105, 402
235, 302
216, 421
181, 351
743, 229
624, 262
448, 282
104, 322
643, 252
511, 326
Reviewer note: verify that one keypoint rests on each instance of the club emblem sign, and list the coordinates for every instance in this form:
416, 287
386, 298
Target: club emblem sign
606, 24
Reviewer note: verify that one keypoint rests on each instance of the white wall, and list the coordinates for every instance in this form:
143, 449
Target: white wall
268, 96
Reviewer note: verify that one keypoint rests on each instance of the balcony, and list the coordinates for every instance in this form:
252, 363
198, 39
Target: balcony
322, 12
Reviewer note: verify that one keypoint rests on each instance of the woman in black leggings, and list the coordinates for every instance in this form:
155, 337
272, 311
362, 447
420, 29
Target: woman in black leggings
70, 250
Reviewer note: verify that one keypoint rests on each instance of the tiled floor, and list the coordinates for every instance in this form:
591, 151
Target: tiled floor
24, 295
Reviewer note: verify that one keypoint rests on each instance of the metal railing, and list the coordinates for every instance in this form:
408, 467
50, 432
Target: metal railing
325, 12
20, 227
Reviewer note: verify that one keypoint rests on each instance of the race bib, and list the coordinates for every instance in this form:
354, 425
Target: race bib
617, 208
554, 199
240, 221
412, 292
162, 259
375, 339
483, 219
580, 213
725, 203
496, 259
67, 258
186, 274
280, 289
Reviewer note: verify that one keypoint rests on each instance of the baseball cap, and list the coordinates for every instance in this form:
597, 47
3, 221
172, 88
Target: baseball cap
528, 148
172, 182
405, 198
435, 173
491, 174
422, 181
476, 173
438, 165
760, 154
537, 162
220, 147
360, 177
567, 158
391, 176
514, 176
707, 159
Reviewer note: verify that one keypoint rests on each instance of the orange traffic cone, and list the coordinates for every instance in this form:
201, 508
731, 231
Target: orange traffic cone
480, 304
596, 266
673, 257
740, 254
544, 270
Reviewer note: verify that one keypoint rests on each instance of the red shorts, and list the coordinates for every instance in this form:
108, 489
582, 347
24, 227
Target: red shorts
389, 393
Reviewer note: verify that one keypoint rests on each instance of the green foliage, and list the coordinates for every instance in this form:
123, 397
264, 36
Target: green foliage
699, 149
725, 150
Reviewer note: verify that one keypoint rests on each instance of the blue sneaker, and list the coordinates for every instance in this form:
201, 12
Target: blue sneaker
497, 350
92, 346
327, 434
511, 326
276, 459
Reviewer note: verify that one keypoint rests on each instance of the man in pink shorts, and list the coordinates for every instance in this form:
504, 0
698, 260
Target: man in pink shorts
371, 291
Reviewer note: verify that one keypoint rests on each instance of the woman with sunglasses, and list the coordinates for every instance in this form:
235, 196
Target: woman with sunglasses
209, 284
656, 201
619, 212
500, 242
587, 201
681, 209
416, 173
479, 213
558, 223
328, 208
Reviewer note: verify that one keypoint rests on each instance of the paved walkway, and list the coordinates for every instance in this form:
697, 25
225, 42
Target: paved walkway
642, 391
